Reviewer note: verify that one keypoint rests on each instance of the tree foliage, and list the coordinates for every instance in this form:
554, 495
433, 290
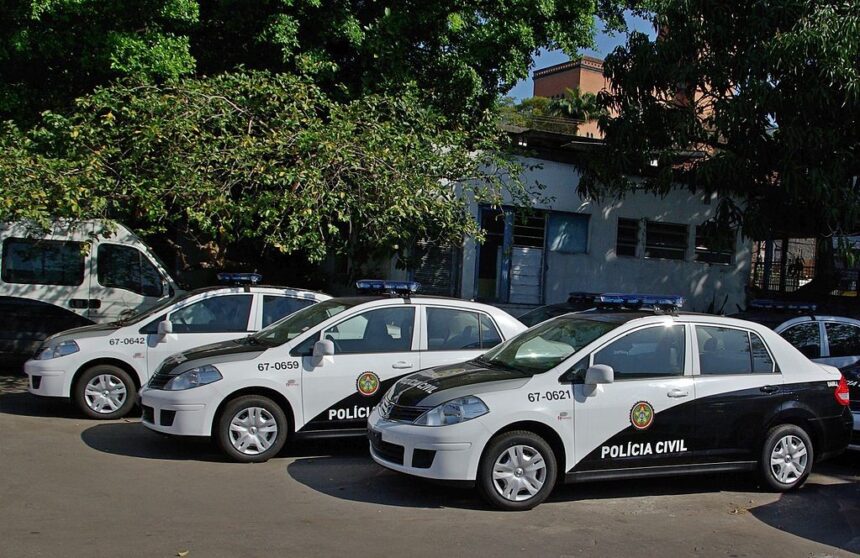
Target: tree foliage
258, 156
460, 54
758, 102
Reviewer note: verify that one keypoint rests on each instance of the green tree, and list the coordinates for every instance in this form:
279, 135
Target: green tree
758, 102
460, 54
576, 105
258, 156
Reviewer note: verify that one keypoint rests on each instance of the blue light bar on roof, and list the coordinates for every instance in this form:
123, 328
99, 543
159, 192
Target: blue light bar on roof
577, 296
639, 300
791, 306
381, 286
240, 278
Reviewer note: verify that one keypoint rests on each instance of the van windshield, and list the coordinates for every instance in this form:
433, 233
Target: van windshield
545, 346
295, 324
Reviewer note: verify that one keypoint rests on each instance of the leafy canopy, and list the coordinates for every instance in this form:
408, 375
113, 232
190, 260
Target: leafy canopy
461, 54
253, 155
757, 101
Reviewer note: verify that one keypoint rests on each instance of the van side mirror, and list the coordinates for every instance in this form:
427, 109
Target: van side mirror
165, 327
599, 374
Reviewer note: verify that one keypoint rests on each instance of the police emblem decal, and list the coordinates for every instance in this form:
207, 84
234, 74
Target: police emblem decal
641, 415
367, 383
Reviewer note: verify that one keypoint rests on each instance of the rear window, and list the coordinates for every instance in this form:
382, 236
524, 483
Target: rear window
43, 262
725, 350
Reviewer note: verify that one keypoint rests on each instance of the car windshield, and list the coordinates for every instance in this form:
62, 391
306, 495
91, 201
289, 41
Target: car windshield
546, 345
301, 321
542, 314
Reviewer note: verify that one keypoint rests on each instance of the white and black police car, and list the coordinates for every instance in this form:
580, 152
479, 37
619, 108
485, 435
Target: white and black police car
100, 367
318, 372
612, 393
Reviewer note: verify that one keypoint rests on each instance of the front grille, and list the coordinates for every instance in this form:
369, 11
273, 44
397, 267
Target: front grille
36, 381
385, 450
404, 413
423, 459
166, 417
159, 380
148, 414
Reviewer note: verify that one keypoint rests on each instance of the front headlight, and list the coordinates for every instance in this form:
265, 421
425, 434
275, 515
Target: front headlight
453, 412
193, 378
58, 350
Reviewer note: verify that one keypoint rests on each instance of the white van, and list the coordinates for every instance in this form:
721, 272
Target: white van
76, 274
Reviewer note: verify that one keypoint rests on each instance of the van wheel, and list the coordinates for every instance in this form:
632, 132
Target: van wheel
105, 392
786, 458
252, 429
517, 471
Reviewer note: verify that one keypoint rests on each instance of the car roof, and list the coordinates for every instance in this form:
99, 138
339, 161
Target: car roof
254, 289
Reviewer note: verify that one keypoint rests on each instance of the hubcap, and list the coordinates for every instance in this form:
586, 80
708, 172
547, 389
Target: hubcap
105, 393
253, 430
789, 459
519, 473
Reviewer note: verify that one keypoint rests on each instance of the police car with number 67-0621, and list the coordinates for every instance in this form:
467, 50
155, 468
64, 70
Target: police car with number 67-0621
630, 389
318, 372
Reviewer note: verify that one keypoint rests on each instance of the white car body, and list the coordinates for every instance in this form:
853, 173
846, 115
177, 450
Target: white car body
138, 348
701, 422
329, 395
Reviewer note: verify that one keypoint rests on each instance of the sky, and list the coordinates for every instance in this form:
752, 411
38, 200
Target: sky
605, 44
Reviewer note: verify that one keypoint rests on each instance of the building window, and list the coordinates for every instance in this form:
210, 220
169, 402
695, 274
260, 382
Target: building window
665, 240
714, 250
567, 233
628, 237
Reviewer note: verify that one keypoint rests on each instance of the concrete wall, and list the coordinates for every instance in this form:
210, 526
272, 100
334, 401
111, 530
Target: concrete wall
601, 270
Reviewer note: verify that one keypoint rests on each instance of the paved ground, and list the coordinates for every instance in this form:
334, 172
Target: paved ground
73, 487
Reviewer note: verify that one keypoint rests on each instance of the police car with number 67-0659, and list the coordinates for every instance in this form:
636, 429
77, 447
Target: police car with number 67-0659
318, 372
630, 389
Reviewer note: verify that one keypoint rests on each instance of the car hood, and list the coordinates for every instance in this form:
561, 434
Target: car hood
234, 350
84, 332
437, 385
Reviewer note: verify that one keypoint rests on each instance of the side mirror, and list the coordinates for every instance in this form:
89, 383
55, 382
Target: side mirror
599, 374
165, 327
323, 348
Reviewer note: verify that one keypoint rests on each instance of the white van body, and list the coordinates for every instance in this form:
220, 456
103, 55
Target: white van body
75, 274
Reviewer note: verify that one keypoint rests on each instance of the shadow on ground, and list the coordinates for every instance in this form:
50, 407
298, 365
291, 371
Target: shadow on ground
15, 400
824, 513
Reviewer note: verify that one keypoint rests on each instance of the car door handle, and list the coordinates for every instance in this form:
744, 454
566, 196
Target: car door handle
678, 393
769, 389
402, 364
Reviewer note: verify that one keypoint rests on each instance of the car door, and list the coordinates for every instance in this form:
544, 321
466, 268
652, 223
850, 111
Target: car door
455, 335
125, 281
371, 350
204, 320
738, 389
645, 417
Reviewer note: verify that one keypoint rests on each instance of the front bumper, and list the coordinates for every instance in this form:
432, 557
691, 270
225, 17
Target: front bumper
46, 379
180, 413
446, 453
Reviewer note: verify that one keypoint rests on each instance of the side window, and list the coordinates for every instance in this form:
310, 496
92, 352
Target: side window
124, 267
217, 314
805, 337
844, 339
490, 336
450, 330
277, 307
732, 351
385, 330
43, 262
646, 353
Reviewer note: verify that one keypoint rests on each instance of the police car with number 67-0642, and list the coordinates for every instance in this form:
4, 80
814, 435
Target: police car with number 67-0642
630, 389
318, 372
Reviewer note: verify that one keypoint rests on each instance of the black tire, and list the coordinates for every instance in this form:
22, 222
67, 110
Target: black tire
257, 453
113, 375
781, 478
497, 448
